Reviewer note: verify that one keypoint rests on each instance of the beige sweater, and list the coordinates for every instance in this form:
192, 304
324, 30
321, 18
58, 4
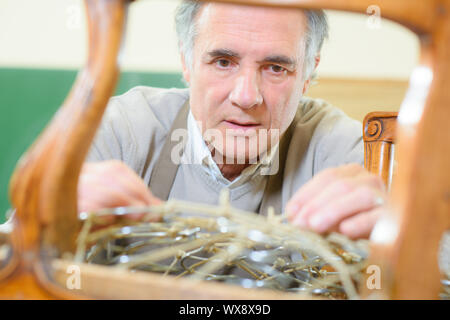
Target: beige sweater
136, 124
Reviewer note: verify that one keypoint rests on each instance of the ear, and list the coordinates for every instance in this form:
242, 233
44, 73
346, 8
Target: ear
308, 81
317, 61
185, 68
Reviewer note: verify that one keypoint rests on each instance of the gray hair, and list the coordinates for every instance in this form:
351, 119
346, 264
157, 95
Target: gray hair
317, 32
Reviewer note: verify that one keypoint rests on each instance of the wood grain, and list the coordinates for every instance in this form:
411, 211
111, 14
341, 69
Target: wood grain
379, 136
418, 15
102, 282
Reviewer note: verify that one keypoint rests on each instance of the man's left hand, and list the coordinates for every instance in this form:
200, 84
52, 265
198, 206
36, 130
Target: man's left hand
347, 199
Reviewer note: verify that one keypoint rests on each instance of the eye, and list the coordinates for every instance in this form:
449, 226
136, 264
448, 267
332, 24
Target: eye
223, 63
276, 69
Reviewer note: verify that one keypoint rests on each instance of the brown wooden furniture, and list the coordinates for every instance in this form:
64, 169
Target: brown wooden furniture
379, 135
43, 188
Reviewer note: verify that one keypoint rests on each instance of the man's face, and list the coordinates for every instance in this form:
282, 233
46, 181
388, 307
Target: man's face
246, 75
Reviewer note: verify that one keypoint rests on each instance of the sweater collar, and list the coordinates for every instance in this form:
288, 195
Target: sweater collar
200, 154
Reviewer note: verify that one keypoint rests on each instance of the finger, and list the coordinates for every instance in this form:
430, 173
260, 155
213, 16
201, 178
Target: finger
149, 216
125, 183
361, 225
360, 200
155, 200
103, 197
318, 184
123, 179
321, 200
352, 177
116, 173
136, 216
137, 188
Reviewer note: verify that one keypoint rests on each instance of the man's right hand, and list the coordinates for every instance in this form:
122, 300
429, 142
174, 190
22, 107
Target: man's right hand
109, 184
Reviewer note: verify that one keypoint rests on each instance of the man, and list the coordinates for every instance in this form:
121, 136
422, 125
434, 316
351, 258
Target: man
247, 69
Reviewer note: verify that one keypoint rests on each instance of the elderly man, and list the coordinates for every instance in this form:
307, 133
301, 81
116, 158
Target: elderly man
247, 69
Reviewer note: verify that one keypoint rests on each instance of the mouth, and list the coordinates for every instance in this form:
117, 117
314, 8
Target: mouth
241, 125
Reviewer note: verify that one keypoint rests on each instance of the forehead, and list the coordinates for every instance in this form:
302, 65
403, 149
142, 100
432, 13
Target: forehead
251, 27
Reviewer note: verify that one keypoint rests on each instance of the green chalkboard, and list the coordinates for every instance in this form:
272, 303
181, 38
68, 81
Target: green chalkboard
30, 97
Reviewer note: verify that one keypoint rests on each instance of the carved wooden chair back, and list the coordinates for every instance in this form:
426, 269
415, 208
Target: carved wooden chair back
379, 137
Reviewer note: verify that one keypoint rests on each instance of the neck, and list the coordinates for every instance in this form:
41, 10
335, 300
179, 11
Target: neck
229, 171
232, 171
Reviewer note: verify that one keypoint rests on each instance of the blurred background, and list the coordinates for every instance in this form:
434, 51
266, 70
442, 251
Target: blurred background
365, 64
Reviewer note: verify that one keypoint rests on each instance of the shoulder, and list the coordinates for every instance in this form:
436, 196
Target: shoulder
334, 137
325, 119
152, 106
135, 123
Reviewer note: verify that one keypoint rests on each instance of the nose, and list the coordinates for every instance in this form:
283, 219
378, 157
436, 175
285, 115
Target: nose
246, 93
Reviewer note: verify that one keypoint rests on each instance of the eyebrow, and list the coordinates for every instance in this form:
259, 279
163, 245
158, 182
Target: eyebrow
281, 59
223, 53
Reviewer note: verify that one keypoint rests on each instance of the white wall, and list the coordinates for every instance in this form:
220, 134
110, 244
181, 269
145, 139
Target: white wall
51, 34
356, 49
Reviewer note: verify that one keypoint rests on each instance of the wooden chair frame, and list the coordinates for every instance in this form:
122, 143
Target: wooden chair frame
379, 136
44, 186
